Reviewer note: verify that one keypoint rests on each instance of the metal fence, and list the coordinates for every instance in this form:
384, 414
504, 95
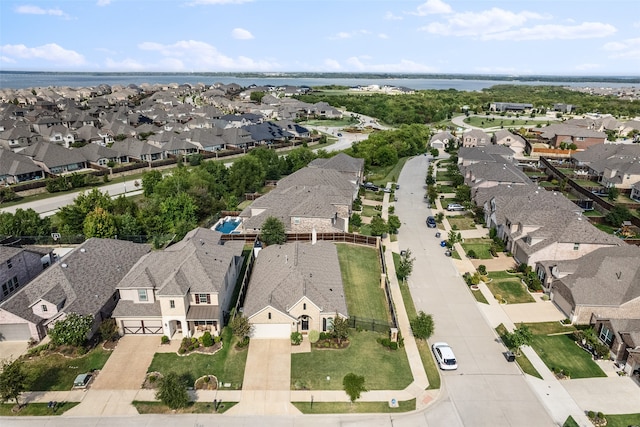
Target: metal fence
374, 325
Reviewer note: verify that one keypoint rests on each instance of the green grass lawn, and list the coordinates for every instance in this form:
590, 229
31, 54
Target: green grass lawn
365, 230
510, 289
35, 409
443, 188
54, 372
606, 228
522, 360
383, 369
549, 328
462, 222
443, 176
369, 211
561, 352
192, 408
380, 175
227, 364
593, 213
371, 195
479, 246
623, 420
479, 296
360, 270
353, 408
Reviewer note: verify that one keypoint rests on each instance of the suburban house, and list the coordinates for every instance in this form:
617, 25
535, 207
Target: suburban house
295, 287
83, 282
352, 167
185, 288
635, 192
490, 174
511, 140
100, 155
441, 140
18, 266
132, 148
487, 154
510, 106
475, 138
309, 199
617, 165
16, 168
558, 134
605, 284
55, 159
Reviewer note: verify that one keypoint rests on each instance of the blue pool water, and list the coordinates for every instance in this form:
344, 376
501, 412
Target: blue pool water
228, 226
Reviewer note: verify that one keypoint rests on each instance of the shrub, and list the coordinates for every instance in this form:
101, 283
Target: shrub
182, 350
600, 415
325, 335
314, 336
206, 379
152, 378
164, 339
482, 269
216, 339
393, 345
296, 338
472, 254
207, 339
591, 414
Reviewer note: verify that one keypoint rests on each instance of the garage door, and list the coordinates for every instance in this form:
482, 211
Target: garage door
15, 332
271, 331
151, 327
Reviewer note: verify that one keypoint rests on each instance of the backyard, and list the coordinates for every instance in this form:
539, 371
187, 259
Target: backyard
323, 369
360, 268
508, 288
227, 364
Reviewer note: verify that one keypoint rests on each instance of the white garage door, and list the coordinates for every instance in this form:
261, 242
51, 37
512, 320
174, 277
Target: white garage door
271, 331
15, 332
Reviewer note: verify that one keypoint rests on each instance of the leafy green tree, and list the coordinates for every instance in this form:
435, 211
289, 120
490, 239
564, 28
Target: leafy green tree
240, 326
405, 266
463, 193
72, 330
71, 217
340, 329
100, 223
613, 194
246, 175
24, 223
256, 96
178, 214
13, 379
356, 220
149, 181
7, 194
394, 224
354, 386
273, 232
422, 326
298, 158
270, 162
378, 226
520, 336
618, 215
172, 391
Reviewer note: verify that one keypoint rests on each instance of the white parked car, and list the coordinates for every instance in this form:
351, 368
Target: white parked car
455, 207
444, 356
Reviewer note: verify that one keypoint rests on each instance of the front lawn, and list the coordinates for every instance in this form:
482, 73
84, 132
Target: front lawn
55, 372
227, 364
191, 408
549, 328
522, 360
481, 247
371, 195
442, 188
462, 222
509, 289
360, 268
353, 408
382, 368
560, 352
35, 409
380, 175
623, 420
370, 211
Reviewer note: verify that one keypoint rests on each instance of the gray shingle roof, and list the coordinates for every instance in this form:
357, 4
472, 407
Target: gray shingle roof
340, 162
53, 155
283, 274
13, 164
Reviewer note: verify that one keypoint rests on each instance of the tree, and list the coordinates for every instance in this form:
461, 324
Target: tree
422, 326
246, 175
405, 266
24, 223
172, 392
272, 232
256, 96
353, 385
149, 181
618, 215
394, 224
463, 193
72, 330
356, 220
378, 226
7, 194
613, 194
13, 380
340, 329
240, 326
520, 336
454, 237
100, 223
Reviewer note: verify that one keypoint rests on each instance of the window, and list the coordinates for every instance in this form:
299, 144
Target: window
296, 220
9, 265
606, 335
576, 246
142, 295
44, 307
202, 299
10, 286
304, 306
172, 303
269, 315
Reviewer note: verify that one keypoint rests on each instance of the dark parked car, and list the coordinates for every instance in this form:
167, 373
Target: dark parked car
370, 186
431, 222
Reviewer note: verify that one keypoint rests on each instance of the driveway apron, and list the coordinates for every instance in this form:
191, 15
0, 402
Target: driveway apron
128, 364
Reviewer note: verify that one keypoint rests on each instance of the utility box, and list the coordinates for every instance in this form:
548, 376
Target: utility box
393, 334
509, 356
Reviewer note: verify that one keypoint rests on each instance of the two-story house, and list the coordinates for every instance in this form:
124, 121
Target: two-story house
184, 289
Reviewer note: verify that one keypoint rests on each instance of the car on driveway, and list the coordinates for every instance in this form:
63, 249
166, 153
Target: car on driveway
444, 356
431, 222
455, 207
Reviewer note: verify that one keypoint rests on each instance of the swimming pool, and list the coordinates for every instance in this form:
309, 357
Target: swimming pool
227, 225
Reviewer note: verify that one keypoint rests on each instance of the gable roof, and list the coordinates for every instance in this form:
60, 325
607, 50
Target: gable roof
340, 162
283, 274
13, 164
53, 155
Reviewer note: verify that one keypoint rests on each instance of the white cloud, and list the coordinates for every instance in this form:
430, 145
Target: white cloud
241, 34
383, 36
586, 30
347, 35
49, 52
586, 67
389, 16
474, 24
7, 60
433, 7
127, 64
624, 49
103, 2
208, 2
200, 56
37, 10
332, 64
362, 64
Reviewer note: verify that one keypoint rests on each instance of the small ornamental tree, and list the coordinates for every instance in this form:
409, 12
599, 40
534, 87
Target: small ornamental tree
273, 232
522, 335
12, 380
422, 326
240, 326
340, 329
172, 392
378, 226
394, 224
72, 330
353, 385
405, 266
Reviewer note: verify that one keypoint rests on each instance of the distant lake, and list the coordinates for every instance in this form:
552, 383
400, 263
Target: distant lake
24, 80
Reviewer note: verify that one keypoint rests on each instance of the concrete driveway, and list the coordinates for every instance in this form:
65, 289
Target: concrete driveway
266, 388
127, 366
12, 349
612, 395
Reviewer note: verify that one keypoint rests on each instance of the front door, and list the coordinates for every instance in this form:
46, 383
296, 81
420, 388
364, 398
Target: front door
305, 323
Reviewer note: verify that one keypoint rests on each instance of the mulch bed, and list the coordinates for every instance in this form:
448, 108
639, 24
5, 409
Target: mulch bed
331, 344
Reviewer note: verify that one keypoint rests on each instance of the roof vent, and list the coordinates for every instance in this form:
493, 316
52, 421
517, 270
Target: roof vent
83, 250
63, 265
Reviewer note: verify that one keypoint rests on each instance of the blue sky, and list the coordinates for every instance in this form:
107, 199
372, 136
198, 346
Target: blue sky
539, 37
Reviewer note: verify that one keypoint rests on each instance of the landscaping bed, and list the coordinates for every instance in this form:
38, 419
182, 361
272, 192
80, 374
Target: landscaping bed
191, 408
